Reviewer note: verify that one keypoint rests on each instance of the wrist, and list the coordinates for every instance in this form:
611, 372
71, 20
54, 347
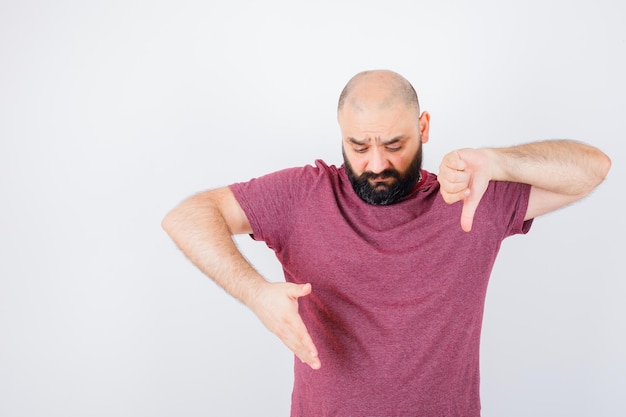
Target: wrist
496, 164
253, 293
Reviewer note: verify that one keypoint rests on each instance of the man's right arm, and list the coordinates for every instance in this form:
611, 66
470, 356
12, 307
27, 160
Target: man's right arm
202, 227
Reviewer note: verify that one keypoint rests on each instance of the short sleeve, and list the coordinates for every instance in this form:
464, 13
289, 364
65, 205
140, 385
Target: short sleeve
506, 203
272, 202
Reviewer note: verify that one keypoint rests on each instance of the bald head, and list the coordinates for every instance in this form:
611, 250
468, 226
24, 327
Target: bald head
378, 89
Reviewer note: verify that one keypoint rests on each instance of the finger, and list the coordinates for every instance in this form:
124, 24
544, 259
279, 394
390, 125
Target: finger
453, 179
299, 290
451, 198
305, 289
310, 355
470, 203
454, 161
301, 344
453, 185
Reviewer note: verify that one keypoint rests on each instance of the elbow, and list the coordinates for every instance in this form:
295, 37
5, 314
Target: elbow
607, 165
595, 168
183, 220
603, 166
167, 224
173, 221
177, 226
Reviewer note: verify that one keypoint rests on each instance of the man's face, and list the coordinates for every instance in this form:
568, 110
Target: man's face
388, 186
382, 151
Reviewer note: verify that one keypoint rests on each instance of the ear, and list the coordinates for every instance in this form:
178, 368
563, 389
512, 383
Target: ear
424, 122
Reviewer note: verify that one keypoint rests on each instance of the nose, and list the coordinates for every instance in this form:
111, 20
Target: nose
378, 161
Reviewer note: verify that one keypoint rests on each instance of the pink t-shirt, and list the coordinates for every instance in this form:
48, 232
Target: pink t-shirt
398, 290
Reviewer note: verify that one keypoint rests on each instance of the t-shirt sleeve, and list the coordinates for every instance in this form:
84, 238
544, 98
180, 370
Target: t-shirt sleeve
507, 203
272, 202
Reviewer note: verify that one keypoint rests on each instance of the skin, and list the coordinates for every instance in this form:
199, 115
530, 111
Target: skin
379, 130
560, 172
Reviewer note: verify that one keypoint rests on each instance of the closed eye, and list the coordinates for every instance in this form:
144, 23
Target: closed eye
394, 144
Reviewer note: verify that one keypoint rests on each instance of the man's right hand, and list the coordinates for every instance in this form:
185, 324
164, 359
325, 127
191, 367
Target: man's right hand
276, 304
202, 227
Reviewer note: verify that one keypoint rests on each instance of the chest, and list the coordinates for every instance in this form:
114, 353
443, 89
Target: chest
390, 262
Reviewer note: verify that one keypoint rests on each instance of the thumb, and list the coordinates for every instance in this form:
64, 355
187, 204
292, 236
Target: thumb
467, 214
300, 290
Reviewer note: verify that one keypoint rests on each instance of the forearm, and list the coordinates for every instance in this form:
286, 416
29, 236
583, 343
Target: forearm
200, 231
202, 227
560, 166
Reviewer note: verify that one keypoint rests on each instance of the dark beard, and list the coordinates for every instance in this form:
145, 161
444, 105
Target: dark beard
383, 194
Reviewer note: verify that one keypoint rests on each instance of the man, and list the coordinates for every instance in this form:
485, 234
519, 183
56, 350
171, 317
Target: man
385, 273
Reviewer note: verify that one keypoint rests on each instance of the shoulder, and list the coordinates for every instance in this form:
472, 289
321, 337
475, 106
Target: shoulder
289, 182
323, 169
294, 173
317, 173
318, 168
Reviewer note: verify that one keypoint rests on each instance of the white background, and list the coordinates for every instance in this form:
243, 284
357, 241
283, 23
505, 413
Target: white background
113, 112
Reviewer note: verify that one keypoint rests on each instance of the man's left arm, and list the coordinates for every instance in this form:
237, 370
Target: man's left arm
559, 172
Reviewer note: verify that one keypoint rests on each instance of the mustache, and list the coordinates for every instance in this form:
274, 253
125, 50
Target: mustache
387, 173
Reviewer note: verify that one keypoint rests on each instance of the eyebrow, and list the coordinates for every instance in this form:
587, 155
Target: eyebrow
391, 141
